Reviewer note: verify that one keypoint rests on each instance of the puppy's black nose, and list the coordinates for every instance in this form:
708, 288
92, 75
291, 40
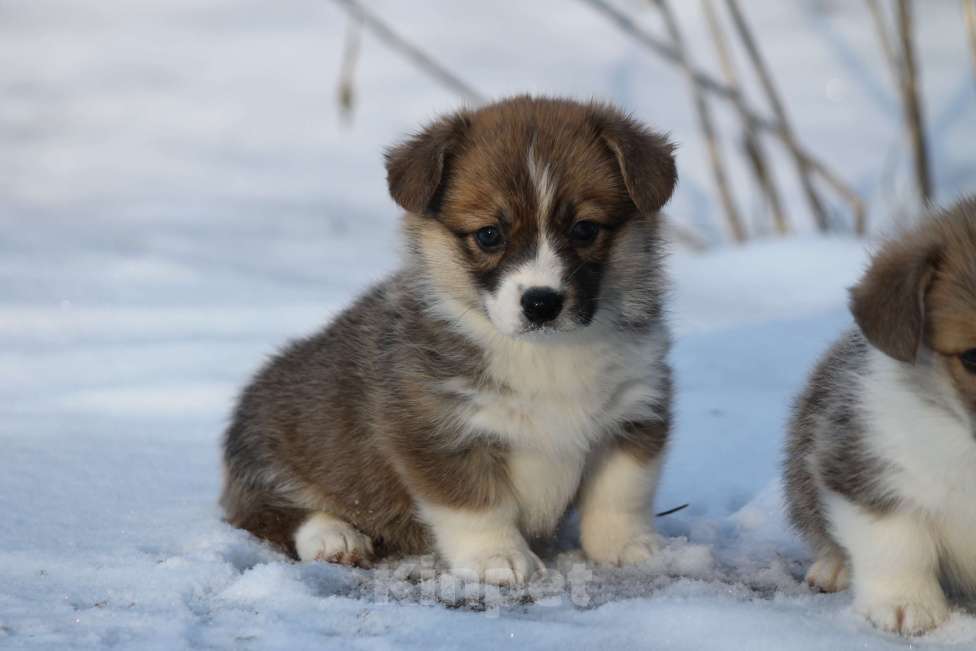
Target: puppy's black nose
541, 304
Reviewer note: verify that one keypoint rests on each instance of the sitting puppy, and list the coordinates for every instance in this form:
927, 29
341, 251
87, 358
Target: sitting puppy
881, 458
516, 361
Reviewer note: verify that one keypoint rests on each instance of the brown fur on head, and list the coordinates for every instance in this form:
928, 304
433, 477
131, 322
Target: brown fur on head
920, 290
532, 169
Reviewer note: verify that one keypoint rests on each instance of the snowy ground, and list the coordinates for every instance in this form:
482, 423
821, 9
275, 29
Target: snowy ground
177, 198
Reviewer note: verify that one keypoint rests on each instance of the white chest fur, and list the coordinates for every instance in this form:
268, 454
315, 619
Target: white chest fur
552, 403
552, 397
932, 449
544, 485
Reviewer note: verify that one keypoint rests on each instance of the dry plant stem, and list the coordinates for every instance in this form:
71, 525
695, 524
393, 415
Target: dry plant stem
901, 60
753, 145
887, 47
803, 166
719, 89
347, 69
912, 103
418, 57
706, 125
670, 53
845, 191
969, 11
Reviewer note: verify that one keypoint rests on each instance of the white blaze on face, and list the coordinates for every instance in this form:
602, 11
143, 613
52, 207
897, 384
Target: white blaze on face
544, 270
505, 305
545, 187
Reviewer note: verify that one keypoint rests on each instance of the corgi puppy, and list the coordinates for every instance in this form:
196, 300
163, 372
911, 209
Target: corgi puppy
881, 456
516, 363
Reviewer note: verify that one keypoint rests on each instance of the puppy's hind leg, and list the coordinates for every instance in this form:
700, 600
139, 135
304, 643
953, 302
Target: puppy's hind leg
302, 534
324, 537
254, 513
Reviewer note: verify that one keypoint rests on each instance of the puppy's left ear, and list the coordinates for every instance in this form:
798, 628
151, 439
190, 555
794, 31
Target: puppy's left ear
416, 168
646, 158
889, 302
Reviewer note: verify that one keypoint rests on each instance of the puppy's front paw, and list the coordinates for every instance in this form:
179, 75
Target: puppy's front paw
908, 614
829, 574
325, 538
639, 550
512, 565
611, 540
482, 545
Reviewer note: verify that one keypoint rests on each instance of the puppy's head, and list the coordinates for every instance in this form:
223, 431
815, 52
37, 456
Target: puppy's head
536, 214
920, 291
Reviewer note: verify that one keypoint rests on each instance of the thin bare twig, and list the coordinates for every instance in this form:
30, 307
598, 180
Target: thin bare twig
717, 88
752, 144
900, 58
347, 69
803, 166
892, 58
669, 53
969, 11
912, 103
672, 510
706, 125
418, 57
845, 191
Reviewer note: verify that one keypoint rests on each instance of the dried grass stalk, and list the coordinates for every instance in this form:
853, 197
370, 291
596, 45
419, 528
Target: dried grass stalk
752, 144
382, 30
347, 69
706, 125
915, 122
803, 166
969, 12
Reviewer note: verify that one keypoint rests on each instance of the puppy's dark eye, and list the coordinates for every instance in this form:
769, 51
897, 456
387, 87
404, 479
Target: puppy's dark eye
584, 232
488, 238
968, 360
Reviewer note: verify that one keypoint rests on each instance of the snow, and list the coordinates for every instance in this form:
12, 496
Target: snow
177, 198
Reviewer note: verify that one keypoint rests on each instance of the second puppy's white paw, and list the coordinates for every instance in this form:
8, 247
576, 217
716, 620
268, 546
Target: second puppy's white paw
323, 537
911, 613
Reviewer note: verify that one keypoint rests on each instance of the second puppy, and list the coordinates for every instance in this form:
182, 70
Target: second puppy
881, 459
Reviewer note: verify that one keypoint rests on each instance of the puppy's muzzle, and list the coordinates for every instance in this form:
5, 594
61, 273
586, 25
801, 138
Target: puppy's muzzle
541, 304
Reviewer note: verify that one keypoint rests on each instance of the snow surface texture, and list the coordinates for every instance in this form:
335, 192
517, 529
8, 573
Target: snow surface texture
177, 198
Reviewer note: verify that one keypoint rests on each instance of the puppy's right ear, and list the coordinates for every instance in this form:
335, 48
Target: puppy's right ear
889, 302
645, 157
415, 169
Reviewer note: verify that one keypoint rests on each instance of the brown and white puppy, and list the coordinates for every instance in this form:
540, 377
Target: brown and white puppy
516, 362
881, 458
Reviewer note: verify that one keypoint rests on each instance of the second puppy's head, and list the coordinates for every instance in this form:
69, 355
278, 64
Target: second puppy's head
535, 214
920, 294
